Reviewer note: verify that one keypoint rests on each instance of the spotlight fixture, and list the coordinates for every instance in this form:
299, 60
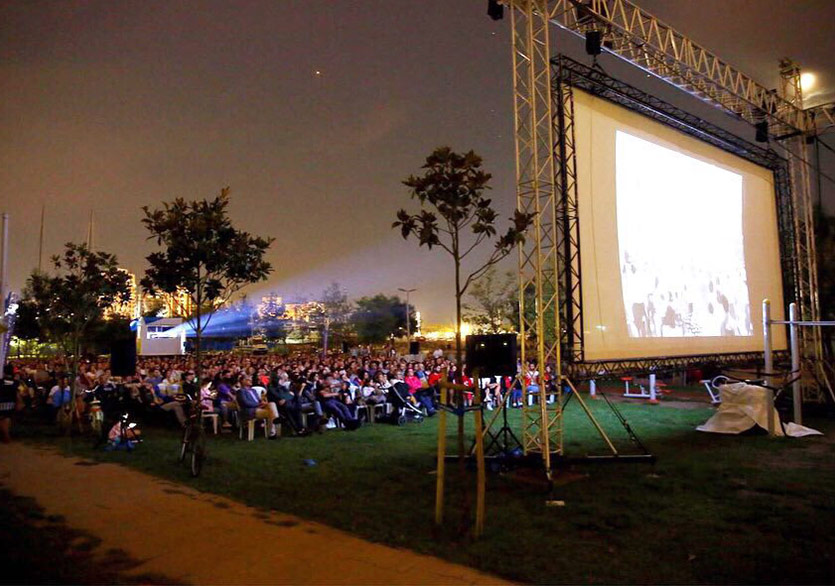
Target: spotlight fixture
495, 10
593, 42
761, 131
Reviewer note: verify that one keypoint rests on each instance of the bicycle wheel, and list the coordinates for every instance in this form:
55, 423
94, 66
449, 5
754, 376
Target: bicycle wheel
185, 444
198, 453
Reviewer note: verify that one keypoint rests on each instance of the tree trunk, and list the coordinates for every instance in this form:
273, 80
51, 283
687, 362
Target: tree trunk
459, 395
198, 334
458, 352
75, 360
325, 338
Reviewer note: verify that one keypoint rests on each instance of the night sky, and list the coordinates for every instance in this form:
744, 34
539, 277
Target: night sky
311, 111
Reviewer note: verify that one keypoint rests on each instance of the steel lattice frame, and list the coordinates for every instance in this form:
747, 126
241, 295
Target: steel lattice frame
822, 118
603, 369
569, 74
645, 41
568, 225
641, 39
806, 284
536, 191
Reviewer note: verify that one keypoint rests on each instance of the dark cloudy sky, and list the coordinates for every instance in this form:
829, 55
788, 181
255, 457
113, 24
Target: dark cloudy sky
109, 106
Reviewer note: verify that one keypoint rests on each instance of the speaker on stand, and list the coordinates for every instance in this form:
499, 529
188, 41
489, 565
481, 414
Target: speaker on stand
495, 355
123, 356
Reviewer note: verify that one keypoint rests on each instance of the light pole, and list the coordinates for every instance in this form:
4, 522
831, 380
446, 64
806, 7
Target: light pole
408, 326
4, 288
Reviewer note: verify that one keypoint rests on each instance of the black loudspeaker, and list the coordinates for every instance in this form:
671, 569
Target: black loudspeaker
762, 131
492, 354
414, 347
495, 10
593, 42
345, 347
123, 357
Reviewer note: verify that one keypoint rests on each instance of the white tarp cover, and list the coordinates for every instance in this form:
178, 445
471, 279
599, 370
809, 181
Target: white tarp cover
744, 406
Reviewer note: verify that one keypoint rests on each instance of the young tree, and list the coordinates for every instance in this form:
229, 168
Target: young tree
70, 304
460, 217
203, 254
495, 299
335, 312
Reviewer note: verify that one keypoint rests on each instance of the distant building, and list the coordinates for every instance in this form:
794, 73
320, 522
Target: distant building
141, 303
271, 307
303, 313
160, 336
177, 304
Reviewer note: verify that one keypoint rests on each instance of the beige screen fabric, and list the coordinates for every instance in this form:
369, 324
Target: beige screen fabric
678, 240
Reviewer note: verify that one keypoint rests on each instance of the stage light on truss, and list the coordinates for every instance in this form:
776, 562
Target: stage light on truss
807, 81
495, 10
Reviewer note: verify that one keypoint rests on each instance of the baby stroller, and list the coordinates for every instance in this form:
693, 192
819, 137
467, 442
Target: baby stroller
404, 408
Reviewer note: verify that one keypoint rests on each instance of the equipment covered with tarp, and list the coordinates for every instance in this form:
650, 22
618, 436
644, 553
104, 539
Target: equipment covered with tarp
745, 406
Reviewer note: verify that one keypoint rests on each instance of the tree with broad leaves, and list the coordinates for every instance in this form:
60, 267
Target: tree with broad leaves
379, 317
202, 254
459, 217
69, 305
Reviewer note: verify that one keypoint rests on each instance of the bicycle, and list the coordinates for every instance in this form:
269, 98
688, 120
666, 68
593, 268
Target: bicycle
194, 440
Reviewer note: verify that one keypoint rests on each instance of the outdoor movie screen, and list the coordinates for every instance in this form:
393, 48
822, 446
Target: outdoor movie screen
679, 242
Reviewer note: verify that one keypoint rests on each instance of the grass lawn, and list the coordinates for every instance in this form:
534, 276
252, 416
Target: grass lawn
711, 509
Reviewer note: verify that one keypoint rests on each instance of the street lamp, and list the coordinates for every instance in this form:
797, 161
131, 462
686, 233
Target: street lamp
408, 326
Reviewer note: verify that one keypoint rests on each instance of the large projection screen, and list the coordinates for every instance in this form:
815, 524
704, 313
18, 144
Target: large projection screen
678, 240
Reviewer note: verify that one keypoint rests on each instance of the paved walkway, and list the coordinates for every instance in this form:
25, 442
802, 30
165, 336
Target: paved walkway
159, 523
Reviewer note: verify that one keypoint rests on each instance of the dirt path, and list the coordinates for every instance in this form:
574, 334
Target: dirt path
159, 523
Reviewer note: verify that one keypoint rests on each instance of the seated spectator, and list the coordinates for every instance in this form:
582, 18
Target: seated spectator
532, 380
253, 406
60, 395
467, 382
225, 397
374, 392
309, 398
492, 391
332, 399
172, 403
422, 394
288, 402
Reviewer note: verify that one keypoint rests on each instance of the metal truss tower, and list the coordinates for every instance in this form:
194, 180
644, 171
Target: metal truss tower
536, 193
545, 178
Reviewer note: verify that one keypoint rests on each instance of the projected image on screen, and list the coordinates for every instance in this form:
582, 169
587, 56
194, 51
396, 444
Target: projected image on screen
680, 238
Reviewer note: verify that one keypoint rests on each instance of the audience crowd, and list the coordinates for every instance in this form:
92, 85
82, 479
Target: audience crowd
304, 391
